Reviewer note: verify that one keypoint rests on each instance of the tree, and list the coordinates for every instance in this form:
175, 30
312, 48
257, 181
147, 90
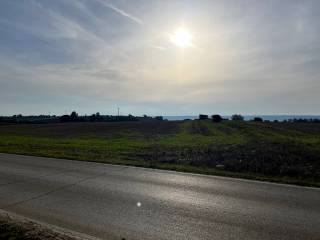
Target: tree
237, 117
216, 118
65, 118
203, 117
92, 118
99, 118
160, 118
74, 116
258, 119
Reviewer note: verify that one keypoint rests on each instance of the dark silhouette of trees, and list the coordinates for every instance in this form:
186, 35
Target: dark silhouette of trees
216, 118
96, 117
99, 118
64, 118
92, 118
303, 120
237, 117
258, 119
74, 117
203, 117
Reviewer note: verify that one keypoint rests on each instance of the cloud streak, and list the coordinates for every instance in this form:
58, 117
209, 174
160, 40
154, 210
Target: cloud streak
122, 12
93, 55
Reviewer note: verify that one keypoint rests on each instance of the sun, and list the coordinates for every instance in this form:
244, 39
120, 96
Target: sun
181, 38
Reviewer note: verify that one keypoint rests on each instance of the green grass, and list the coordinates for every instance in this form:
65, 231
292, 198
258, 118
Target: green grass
279, 152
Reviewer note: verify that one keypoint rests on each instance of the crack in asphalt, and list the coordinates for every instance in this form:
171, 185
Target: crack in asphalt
8, 206
30, 181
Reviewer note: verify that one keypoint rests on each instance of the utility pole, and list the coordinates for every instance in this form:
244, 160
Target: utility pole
118, 111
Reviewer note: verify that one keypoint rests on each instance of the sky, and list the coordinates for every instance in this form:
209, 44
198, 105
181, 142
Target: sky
248, 57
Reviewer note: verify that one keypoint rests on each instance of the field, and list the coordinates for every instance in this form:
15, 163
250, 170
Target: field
280, 152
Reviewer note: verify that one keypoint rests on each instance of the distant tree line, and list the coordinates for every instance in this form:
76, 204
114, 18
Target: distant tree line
29, 119
75, 117
302, 120
218, 118
238, 117
97, 117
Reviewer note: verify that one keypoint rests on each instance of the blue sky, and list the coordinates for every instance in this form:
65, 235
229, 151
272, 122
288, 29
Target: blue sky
249, 57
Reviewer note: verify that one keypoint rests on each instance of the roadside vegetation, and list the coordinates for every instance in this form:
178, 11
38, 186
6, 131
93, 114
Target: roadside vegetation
14, 229
287, 152
12, 232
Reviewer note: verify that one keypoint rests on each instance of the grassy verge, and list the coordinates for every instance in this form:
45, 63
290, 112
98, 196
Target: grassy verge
11, 231
16, 229
281, 152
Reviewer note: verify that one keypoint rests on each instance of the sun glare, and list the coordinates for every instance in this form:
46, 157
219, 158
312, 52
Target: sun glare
181, 37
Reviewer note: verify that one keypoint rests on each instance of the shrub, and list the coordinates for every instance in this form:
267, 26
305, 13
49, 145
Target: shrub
237, 117
258, 119
203, 117
216, 118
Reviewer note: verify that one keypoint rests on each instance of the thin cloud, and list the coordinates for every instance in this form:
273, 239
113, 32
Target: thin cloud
158, 47
121, 12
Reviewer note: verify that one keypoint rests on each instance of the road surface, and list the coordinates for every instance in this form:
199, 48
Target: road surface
115, 202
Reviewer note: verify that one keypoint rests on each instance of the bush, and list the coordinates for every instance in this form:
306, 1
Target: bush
216, 118
258, 119
203, 117
237, 117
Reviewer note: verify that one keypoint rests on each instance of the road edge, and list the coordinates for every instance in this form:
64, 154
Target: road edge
45, 229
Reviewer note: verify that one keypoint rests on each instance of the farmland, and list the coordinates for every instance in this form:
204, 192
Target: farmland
280, 152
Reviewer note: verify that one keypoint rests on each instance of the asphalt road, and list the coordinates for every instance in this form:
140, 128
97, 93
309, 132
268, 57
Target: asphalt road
114, 202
